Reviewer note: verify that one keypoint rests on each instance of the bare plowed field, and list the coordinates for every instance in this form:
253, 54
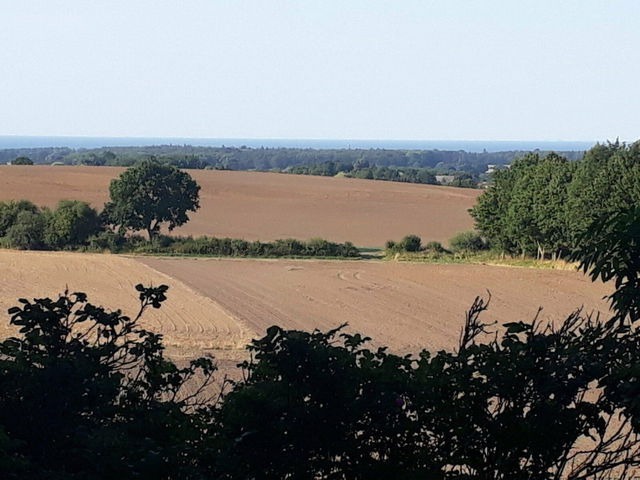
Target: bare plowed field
266, 206
191, 323
406, 306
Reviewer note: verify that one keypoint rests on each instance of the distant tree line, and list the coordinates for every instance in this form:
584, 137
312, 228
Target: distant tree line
87, 392
144, 198
243, 158
362, 169
46, 155
543, 205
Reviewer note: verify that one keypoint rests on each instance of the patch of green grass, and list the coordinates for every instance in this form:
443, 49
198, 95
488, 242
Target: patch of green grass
481, 258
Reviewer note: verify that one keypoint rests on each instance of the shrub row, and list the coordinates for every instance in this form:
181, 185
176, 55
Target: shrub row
316, 247
463, 242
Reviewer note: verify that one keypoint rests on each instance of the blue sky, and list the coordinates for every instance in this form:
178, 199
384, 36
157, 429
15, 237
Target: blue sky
396, 69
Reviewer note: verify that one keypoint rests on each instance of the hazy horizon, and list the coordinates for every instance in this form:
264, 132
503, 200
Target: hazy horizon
79, 142
296, 69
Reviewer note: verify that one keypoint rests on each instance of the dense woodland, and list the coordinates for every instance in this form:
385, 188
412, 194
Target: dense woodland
544, 204
232, 158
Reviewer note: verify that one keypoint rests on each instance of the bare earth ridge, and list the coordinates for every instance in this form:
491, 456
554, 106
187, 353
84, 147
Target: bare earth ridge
267, 206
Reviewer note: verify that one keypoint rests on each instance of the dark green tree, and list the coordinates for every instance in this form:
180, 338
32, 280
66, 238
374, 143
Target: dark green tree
149, 194
491, 210
9, 212
71, 224
27, 231
590, 190
22, 161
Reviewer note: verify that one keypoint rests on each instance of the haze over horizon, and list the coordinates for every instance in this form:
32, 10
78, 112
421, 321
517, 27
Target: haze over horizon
411, 70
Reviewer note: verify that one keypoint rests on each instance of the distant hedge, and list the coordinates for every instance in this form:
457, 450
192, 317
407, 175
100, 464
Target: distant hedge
316, 247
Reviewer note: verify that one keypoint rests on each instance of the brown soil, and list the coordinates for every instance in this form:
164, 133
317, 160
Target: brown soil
266, 206
406, 306
191, 323
221, 304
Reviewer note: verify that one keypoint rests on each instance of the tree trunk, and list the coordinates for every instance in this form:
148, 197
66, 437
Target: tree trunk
151, 230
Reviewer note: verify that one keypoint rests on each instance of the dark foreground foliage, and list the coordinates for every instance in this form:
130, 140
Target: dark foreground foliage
88, 393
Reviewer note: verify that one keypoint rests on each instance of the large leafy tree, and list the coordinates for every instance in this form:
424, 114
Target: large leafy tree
149, 194
490, 212
590, 190
554, 177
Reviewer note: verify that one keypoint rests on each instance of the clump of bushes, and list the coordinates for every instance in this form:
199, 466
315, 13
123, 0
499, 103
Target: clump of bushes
468, 242
23, 225
461, 243
410, 243
435, 247
71, 224
22, 161
27, 231
316, 247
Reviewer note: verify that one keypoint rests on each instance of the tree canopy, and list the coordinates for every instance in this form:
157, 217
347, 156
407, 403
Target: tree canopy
149, 194
22, 161
544, 205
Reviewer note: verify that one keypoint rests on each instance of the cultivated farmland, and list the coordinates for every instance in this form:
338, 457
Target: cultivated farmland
406, 306
191, 323
218, 305
268, 206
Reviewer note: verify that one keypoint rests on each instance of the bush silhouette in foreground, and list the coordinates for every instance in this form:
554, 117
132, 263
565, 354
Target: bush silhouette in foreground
87, 393
322, 405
